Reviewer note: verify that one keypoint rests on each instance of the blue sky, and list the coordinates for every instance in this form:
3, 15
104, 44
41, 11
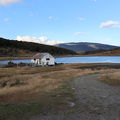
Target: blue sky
54, 21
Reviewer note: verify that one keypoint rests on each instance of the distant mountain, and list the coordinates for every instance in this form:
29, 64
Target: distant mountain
85, 46
19, 48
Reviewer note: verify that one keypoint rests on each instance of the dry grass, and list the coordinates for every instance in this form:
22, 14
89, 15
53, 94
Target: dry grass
111, 78
27, 91
34, 80
37, 80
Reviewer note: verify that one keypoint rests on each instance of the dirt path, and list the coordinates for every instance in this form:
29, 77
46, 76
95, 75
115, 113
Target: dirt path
95, 100
98, 101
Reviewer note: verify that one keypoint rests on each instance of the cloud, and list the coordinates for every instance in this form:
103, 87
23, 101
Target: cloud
81, 19
6, 20
110, 24
41, 40
6, 2
94, 0
79, 33
50, 17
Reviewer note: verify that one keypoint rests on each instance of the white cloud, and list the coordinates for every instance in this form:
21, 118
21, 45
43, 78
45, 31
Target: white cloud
110, 24
79, 33
6, 19
81, 19
50, 17
94, 0
41, 40
6, 2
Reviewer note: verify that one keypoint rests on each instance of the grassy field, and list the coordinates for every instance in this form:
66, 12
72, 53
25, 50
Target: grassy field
27, 91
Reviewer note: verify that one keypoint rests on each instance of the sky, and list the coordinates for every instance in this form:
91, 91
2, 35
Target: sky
61, 21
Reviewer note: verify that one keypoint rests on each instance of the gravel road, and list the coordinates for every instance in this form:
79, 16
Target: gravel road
95, 100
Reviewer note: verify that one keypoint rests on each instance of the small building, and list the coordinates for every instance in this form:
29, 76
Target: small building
43, 59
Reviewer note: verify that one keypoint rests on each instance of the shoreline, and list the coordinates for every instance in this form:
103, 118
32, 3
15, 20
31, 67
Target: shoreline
14, 58
23, 58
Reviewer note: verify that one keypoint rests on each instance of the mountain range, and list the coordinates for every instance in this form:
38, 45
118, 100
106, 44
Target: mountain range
19, 48
85, 46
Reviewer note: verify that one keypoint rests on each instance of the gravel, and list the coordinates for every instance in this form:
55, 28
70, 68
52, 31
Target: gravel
96, 99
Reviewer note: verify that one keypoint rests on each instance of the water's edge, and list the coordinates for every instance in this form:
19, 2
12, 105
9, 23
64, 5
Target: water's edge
96, 59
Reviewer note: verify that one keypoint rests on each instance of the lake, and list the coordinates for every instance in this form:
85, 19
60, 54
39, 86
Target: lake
99, 59
96, 59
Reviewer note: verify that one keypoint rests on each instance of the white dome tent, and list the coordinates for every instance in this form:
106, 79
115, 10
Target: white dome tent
43, 59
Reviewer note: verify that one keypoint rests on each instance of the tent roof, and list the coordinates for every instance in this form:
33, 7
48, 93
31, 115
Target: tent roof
40, 55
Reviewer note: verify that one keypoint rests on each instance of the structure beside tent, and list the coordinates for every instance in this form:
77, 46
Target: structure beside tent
43, 59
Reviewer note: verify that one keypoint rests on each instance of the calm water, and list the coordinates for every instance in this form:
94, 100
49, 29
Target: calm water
99, 59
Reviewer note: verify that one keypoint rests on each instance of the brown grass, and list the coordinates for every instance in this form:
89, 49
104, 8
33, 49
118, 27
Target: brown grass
28, 91
34, 81
111, 78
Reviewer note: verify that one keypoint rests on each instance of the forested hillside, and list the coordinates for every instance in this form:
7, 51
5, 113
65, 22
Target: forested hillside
14, 47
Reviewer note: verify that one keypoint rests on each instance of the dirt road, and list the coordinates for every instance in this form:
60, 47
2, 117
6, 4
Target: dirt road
95, 101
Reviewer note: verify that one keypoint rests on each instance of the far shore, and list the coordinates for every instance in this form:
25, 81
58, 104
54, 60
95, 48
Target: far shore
29, 57
14, 58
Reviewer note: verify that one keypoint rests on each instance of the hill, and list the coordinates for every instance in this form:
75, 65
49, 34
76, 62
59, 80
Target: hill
20, 48
85, 46
113, 52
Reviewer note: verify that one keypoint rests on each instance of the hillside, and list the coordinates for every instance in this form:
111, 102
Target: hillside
113, 52
19, 48
85, 46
